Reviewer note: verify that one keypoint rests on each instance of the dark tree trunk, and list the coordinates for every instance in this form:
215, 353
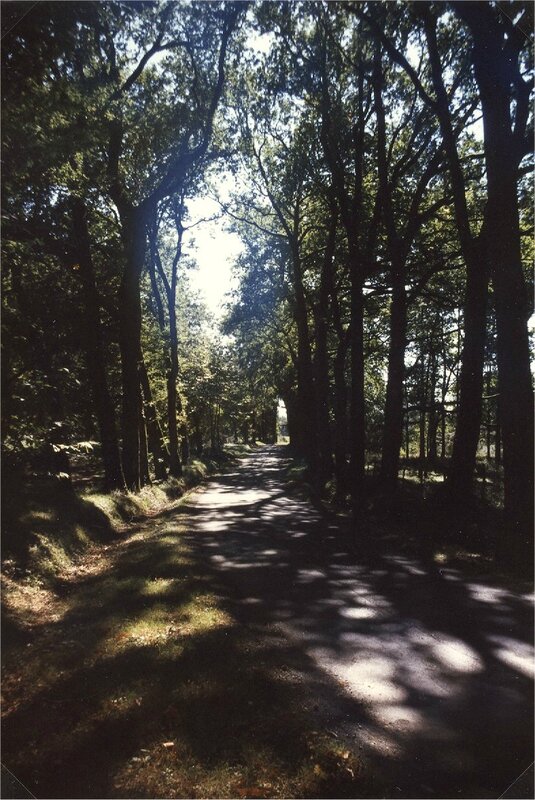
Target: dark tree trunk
350, 204
514, 376
393, 425
498, 440
154, 432
465, 443
461, 475
432, 431
498, 75
185, 447
170, 289
340, 419
432, 427
488, 416
443, 433
321, 361
133, 234
144, 470
357, 398
399, 241
173, 402
422, 454
293, 420
96, 362
305, 371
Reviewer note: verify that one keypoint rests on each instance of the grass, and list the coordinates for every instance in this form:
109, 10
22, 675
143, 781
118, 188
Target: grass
48, 524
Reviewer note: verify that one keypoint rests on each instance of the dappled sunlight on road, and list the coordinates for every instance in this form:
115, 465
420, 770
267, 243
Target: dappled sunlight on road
428, 681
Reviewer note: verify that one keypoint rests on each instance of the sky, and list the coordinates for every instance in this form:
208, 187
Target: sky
214, 249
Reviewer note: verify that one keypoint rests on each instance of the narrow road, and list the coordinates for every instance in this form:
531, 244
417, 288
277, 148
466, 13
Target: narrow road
431, 675
234, 646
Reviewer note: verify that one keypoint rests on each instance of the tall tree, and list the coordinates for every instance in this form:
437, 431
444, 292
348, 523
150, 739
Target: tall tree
501, 45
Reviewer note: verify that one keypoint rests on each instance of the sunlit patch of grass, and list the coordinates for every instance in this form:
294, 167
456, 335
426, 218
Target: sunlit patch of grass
50, 555
162, 626
159, 586
123, 508
194, 471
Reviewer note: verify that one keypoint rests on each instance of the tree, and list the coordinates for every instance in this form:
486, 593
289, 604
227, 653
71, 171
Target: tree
500, 47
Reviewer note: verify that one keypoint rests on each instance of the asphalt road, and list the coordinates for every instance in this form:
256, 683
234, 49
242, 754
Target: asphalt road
428, 673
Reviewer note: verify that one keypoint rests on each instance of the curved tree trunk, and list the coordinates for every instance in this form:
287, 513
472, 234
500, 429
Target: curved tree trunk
467, 429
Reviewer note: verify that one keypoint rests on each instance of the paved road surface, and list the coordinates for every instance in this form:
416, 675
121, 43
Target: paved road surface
428, 673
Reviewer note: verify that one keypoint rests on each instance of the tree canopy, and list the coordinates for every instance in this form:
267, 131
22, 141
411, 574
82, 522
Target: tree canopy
374, 158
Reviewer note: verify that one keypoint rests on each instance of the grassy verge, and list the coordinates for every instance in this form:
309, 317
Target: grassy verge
49, 528
47, 523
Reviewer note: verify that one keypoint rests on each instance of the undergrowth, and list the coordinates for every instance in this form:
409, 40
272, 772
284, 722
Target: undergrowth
47, 524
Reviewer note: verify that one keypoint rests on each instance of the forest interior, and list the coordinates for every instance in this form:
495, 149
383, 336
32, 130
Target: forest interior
267, 405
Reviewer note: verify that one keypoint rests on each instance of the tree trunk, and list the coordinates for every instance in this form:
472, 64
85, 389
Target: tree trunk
357, 398
321, 361
461, 475
514, 376
498, 440
422, 440
488, 417
144, 471
293, 421
96, 362
466, 439
497, 69
340, 419
173, 402
443, 433
305, 371
393, 424
154, 432
133, 234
